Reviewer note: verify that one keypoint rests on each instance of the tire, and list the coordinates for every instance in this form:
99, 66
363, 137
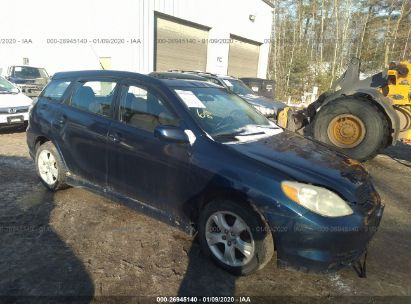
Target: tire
368, 118
54, 179
255, 238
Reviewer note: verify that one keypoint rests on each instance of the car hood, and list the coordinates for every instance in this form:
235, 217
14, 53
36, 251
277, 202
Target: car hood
14, 100
307, 161
263, 101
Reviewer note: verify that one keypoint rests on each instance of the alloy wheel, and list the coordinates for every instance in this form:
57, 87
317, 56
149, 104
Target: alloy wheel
47, 166
229, 238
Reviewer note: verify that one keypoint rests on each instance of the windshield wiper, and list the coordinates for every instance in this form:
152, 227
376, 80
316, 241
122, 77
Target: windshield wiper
268, 126
233, 135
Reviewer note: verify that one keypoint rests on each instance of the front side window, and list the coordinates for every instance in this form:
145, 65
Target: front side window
95, 97
142, 109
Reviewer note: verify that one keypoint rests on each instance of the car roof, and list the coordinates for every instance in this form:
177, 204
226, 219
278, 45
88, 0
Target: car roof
226, 77
124, 74
177, 83
176, 75
215, 76
97, 73
203, 74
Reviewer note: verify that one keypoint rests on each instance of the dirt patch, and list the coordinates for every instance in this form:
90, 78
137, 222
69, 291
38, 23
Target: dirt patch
74, 242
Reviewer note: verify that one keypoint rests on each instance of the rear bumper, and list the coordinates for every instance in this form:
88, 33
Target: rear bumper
308, 247
31, 141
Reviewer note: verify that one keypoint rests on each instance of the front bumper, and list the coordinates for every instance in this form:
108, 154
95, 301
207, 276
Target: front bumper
14, 119
304, 245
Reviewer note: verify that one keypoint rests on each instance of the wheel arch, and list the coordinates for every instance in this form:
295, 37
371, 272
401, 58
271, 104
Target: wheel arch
234, 195
41, 139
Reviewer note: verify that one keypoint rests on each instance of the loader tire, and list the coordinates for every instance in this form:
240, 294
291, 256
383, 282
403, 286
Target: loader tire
355, 126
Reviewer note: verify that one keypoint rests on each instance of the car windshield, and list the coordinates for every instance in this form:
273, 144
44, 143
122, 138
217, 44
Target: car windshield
25, 72
221, 113
238, 87
6, 86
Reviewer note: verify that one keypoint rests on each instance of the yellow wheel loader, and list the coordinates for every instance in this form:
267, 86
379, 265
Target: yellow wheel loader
359, 117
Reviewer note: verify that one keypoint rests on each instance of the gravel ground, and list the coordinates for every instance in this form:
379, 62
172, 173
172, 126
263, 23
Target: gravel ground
75, 243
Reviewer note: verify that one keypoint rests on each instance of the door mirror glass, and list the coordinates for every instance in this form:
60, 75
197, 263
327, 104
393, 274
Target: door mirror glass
171, 133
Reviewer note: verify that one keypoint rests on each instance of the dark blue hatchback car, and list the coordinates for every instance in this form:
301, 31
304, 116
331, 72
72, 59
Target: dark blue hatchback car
202, 158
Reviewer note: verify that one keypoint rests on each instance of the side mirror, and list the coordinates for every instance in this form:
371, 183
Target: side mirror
171, 134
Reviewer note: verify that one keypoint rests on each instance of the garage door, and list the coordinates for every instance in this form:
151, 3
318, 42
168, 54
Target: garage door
180, 46
243, 58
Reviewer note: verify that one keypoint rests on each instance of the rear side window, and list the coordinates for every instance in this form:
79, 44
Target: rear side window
56, 89
95, 97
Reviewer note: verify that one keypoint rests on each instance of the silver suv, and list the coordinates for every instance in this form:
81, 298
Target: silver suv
268, 107
30, 79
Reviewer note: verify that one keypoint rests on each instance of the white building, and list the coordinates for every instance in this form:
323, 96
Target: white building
219, 36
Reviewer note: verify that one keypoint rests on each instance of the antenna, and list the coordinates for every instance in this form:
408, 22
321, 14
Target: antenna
98, 58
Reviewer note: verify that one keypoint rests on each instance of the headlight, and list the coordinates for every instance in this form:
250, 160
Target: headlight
316, 199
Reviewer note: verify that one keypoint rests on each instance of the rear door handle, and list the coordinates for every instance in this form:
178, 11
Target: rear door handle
59, 122
114, 138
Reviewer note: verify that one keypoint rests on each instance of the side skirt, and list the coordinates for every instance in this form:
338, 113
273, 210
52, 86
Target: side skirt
146, 209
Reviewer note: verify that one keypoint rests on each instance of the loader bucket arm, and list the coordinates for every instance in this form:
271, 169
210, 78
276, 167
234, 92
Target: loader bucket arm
349, 77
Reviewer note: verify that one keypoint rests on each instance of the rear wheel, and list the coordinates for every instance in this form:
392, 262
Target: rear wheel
50, 167
235, 237
355, 126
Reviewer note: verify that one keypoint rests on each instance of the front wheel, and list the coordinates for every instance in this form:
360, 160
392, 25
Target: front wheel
355, 126
50, 167
235, 237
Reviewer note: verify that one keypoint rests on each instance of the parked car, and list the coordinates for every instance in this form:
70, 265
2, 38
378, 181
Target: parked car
14, 106
30, 79
260, 87
201, 157
177, 75
268, 107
